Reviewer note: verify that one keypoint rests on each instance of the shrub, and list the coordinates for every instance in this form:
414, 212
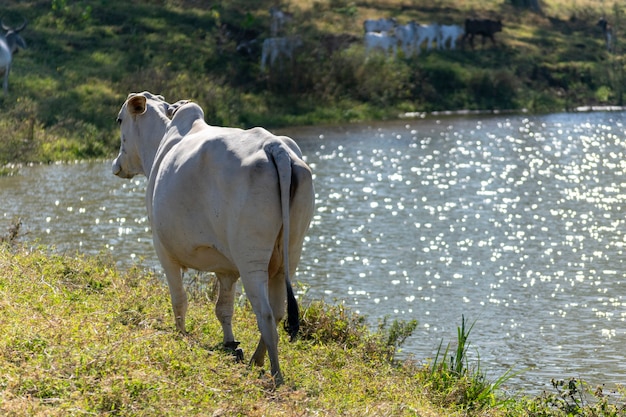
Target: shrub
494, 90
324, 324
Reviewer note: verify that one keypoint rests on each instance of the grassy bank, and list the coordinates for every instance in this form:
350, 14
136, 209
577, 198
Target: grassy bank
85, 56
79, 337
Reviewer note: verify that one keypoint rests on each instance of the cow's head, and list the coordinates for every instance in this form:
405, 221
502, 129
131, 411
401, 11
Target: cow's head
143, 121
12, 36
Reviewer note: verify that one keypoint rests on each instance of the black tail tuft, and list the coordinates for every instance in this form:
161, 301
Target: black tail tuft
292, 324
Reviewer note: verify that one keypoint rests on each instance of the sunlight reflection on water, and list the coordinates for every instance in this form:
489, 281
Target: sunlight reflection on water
513, 221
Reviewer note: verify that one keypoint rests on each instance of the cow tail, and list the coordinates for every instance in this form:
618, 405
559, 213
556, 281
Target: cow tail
282, 161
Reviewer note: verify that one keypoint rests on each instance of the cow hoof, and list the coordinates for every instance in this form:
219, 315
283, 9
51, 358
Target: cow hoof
239, 355
233, 347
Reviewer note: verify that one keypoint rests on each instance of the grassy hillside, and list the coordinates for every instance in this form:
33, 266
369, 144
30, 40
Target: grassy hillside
84, 57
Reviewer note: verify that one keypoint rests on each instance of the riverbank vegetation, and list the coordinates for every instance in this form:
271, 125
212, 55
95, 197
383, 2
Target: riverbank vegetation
79, 337
85, 56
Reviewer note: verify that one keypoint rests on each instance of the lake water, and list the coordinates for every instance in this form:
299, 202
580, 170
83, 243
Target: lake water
515, 222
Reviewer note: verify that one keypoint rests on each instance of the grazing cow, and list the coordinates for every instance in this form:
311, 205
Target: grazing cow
427, 34
382, 41
275, 47
246, 40
379, 25
9, 44
449, 33
232, 201
484, 27
278, 20
607, 32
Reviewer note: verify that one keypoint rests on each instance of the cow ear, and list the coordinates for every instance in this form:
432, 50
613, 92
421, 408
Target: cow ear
137, 105
174, 107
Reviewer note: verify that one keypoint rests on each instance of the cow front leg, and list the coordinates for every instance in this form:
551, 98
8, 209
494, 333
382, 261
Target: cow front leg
178, 295
224, 307
224, 310
174, 275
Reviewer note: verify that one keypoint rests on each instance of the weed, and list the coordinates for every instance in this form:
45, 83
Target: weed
332, 324
335, 324
574, 397
12, 234
459, 383
392, 336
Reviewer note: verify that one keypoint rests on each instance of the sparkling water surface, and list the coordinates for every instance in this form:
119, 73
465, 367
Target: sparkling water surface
514, 222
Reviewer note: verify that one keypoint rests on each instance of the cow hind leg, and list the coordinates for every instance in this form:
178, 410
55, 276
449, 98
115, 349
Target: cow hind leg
256, 286
277, 292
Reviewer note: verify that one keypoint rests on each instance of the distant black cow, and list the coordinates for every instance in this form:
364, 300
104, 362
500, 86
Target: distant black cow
484, 27
245, 40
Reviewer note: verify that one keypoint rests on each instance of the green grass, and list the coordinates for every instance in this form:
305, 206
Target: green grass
84, 57
80, 337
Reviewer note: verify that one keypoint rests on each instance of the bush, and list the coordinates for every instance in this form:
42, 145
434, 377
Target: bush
494, 90
442, 85
324, 324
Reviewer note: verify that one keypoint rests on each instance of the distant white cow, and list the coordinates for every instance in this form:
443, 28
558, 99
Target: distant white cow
232, 201
406, 35
278, 19
273, 48
449, 33
383, 41
426, 34
379, 25
9, 44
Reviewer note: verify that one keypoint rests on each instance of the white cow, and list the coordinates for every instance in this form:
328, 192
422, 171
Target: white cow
428, 34
406, 35
273, 48
278, 20
232, 201
382, 41
9, 44
449, 33
379, 25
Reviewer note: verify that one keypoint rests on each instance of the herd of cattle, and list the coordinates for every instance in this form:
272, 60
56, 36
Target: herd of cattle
386, 35
380, 34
